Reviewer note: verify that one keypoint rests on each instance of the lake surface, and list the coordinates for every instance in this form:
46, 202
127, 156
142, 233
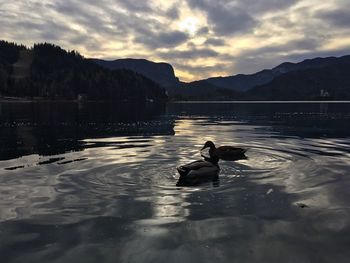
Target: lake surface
97, 183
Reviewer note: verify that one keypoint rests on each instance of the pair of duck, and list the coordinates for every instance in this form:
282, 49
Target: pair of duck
208, 169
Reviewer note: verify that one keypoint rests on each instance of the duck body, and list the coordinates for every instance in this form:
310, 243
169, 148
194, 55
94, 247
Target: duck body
226, 153
198, 172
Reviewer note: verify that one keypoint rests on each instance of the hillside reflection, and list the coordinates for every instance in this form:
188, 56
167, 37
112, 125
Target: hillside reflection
51, 128
48, 128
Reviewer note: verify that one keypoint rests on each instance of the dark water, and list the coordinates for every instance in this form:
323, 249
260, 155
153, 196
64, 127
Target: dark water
96, 183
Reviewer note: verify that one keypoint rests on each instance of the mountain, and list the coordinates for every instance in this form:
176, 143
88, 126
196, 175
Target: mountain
161, 73
198, 90
48, 71
313, 79
243, 82
330, 82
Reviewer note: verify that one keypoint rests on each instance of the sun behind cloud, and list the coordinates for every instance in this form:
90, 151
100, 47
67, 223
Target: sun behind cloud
189, 25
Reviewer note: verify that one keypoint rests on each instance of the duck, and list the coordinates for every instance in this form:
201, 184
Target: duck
226, 153
198, 172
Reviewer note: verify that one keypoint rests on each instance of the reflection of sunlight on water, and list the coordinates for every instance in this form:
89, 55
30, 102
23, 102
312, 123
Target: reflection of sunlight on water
115, 198
130, 181
117, 165
147, 165
119, 150
168, 206
31, 192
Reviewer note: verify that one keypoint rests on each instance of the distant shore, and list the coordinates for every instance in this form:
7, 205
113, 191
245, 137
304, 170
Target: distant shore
24, 99
42, 99
261, 101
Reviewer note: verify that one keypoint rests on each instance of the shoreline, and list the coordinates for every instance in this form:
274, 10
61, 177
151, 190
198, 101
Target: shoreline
28, 100
259, 101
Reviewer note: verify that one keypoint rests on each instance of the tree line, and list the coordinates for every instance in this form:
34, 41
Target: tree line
48, 71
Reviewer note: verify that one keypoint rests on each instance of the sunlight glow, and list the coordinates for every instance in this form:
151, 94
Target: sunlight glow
190, 25
263, 37
337, 43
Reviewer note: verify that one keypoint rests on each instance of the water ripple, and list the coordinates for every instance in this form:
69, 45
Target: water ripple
120, 191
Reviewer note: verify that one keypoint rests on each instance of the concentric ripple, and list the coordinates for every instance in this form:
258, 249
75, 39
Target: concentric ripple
110, 192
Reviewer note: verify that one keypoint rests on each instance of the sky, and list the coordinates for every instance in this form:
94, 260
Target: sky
200, 38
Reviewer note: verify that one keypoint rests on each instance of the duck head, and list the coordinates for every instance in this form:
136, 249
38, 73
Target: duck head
209, 144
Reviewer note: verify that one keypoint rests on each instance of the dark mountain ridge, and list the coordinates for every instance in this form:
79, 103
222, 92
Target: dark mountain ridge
48, 71
242, 82
161, 73
330, 82
198, 90
311, 79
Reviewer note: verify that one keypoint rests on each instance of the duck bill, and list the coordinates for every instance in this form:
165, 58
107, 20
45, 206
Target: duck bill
203, 148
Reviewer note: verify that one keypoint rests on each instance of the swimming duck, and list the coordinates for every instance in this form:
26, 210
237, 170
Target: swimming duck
198, 172
226, 153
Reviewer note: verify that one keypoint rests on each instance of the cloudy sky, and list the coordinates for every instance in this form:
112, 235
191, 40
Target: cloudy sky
200, 38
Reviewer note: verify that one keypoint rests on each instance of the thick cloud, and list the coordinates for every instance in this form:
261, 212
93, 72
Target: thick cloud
172, 13
161, 40
253, 60
190, 54
234, 17
136, 6
258, 7
172, 38
337, 17
224, 19
215, 42
299, 45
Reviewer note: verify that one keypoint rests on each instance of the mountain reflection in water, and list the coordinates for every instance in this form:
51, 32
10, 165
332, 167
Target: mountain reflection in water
97, 183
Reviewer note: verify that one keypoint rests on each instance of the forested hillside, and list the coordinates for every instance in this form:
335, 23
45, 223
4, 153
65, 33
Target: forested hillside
48, 71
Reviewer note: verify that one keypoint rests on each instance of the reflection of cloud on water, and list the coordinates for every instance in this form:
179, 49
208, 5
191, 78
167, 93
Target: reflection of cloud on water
120, 203
22, 195
267, 231
308, 237
51, 128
